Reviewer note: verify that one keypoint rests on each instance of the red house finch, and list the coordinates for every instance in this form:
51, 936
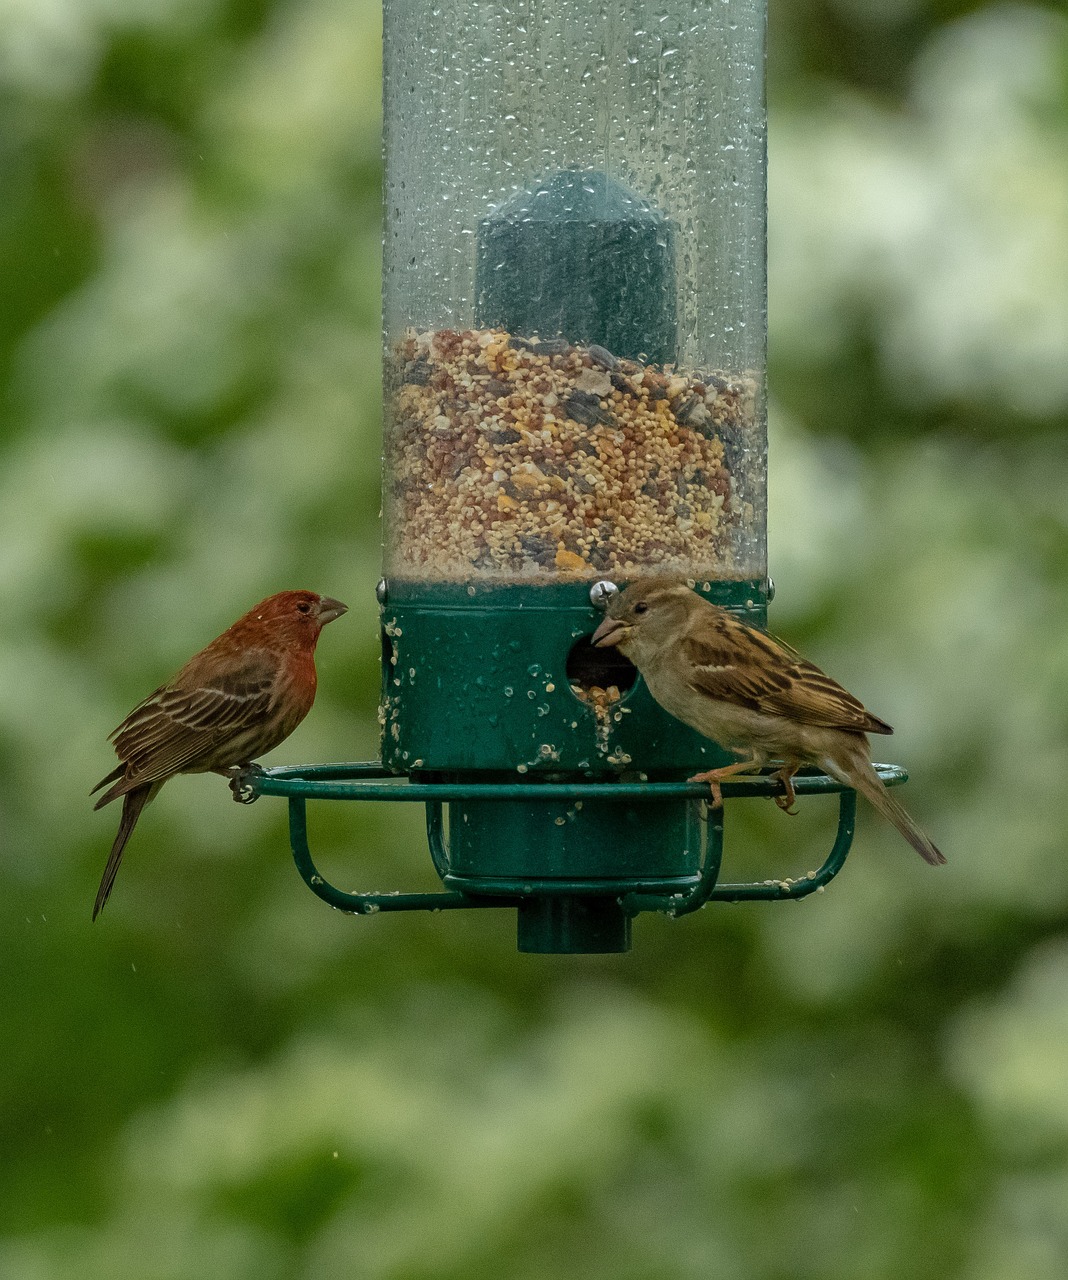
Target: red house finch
750, 693
233, 701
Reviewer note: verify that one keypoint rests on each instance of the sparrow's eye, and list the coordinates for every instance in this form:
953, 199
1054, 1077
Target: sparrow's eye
304, 607
641, 607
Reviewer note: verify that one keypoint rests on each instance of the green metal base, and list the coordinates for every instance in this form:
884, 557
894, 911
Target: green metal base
475, 681
477, 694
558, 910
553, 926
545, 840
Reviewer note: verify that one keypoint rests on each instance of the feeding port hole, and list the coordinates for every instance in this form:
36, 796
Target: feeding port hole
599, 674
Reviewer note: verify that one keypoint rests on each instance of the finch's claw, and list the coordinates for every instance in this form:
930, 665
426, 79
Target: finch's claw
786, 805
240, 784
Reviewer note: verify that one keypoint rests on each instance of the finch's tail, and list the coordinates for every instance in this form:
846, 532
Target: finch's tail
120, 786
132, 804
854, 768
118, 772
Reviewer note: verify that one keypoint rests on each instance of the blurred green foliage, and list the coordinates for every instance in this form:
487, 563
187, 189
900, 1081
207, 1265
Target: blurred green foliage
223, 1078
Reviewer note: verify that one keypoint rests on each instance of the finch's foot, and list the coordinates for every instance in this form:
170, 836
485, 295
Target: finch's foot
239, 781
715, 776
786, 801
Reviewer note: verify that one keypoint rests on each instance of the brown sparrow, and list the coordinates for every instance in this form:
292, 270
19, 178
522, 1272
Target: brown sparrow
750, 693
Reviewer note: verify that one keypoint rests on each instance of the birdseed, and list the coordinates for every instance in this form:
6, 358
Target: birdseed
517, 458
601, 701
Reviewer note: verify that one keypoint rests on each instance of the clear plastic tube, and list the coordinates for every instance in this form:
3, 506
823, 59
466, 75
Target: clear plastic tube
574, 290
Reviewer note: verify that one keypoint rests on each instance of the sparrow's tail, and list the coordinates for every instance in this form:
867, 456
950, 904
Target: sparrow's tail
132, 804
852, 766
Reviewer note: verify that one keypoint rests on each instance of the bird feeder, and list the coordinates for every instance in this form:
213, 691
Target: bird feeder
574, 334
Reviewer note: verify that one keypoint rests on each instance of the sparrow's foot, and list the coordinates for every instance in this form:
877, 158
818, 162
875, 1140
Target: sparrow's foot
786, 801
715, 776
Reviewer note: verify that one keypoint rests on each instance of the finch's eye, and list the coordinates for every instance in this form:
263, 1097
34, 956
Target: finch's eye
641, 607
304, 607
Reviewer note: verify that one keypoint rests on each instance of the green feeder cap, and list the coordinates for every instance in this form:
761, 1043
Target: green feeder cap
580, 257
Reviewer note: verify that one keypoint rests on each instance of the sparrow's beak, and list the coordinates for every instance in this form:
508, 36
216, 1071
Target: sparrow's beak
330, 609
609, 633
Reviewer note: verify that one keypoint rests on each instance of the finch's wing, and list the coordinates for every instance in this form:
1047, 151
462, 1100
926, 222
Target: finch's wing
732, 662
177, 725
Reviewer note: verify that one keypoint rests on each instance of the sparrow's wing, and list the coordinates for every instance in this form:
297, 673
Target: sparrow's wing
732, 662
176, 725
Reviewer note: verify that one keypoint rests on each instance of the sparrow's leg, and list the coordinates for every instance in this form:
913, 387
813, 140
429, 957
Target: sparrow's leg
715, 776
785, 776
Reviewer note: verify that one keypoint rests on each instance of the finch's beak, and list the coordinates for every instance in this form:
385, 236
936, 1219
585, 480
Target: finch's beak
609, 633
330, 609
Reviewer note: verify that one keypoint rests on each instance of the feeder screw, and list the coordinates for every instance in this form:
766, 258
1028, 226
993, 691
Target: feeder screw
601, 592
381, 591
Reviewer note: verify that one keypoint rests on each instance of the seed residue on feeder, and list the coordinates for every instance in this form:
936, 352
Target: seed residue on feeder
602, 703
596, 697
516, 457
